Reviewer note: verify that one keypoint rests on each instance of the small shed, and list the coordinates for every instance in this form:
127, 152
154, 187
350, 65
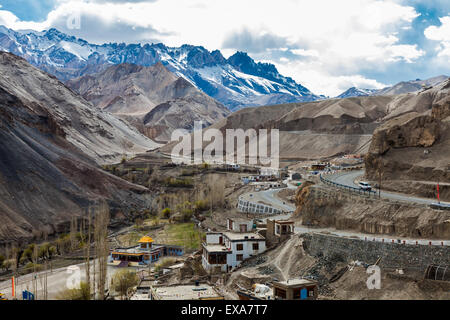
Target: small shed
295, 289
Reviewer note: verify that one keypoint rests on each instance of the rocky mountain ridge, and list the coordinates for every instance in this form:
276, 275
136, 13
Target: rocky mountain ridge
142, 96
236, 82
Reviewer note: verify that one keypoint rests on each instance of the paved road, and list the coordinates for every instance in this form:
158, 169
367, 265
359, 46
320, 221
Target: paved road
269, 197
56, 281
348, 178
370, 237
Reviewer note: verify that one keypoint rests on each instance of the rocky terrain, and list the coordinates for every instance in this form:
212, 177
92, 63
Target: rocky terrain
52, 143
333, 127
413, 148
153, 99
332, 208
411, 86
339, 278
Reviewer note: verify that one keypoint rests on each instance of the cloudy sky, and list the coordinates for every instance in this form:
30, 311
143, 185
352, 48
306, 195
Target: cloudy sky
326, 45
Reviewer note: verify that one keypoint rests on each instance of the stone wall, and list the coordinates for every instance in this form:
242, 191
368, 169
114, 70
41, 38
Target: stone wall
394, 255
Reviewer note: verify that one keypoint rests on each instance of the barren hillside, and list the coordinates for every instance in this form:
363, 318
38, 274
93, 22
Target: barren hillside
414, 148
51, 143
152, 98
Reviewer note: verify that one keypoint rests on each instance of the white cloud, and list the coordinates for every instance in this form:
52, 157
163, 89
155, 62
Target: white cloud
337, 38
441, 34
320, 81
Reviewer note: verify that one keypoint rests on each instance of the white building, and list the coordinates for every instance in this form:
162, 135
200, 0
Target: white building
225, 251
239, 225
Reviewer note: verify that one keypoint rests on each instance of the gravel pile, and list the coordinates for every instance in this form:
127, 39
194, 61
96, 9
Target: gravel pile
254, 262
318, 272
266, 270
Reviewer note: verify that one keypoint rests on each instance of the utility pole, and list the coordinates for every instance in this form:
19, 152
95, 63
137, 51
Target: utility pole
380, 167
439, 199
379, 186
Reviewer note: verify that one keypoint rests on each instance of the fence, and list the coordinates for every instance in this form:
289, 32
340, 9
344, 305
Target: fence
247, 206
348, 188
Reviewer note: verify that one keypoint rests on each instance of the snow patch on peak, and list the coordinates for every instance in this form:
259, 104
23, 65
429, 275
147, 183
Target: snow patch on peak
81, 52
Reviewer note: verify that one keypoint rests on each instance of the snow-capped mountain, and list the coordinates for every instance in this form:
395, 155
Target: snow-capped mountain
357, 92
399, 88
236, 82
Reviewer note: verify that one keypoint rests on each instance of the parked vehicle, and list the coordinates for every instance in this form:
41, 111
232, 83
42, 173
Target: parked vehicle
364, 186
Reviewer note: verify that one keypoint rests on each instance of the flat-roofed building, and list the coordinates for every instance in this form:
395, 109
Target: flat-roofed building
295, 289
224, 251
278, 231
196, 291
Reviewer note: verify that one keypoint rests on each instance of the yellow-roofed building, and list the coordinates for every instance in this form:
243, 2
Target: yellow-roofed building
143, 254
146, 242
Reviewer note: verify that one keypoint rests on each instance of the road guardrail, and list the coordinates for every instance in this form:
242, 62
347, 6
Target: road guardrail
348, 188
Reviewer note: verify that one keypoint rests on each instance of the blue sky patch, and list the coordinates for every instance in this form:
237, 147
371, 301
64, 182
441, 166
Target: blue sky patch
29, 10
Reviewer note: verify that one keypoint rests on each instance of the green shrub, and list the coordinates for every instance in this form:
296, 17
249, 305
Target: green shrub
31, 267
179, 183
82, 293
166, 213
200, 206
166, 263
124, 280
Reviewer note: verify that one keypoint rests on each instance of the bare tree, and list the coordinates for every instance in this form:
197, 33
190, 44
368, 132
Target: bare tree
88, 254
216, 191
101, 246
73, 233
35, 260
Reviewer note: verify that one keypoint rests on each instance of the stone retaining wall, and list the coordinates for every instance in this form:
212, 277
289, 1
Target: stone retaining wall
393, 255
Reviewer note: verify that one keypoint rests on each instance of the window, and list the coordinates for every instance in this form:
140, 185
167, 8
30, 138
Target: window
217, 259
256, 246
239, 257
239, 247
280, 293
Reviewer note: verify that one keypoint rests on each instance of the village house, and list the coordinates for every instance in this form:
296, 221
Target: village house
197, 291
295, 289
144, 253
240, 225
225, 251
278, 231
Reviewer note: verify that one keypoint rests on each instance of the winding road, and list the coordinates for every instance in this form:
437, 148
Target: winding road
348, 178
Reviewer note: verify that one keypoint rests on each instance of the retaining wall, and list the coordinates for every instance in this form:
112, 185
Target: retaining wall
393, 255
